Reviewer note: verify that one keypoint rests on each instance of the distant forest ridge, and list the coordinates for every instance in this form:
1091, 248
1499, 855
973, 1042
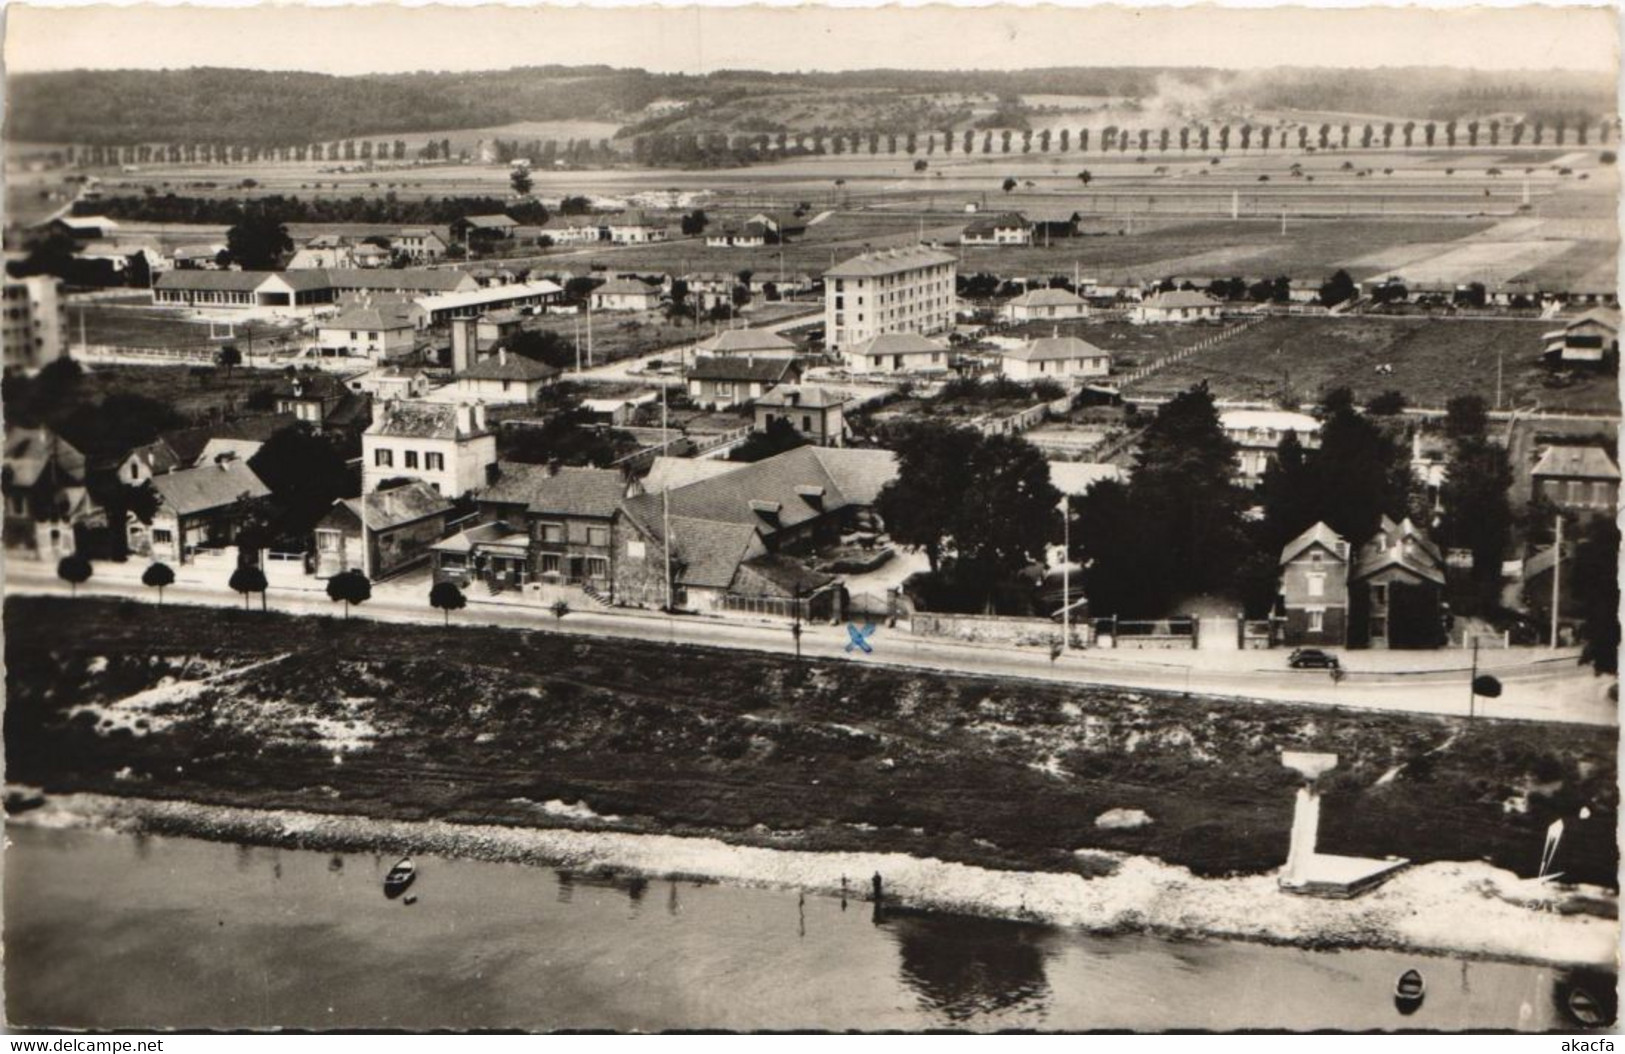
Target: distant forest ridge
271, 108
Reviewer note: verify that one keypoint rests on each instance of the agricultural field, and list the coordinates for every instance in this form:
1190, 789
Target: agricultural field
1432, 360
136, 325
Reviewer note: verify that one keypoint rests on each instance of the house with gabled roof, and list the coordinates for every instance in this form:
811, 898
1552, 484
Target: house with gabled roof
1044, 305
1054, 358
635, 228
197, 509
723, 382
625, 294
1004, 228
378, 328
1387, 594
782, 506
382, 533
1578, 478
899, 353
761, 343
1177, 305
1591, 339
47, 502
497, 226
504, 377
816, 412
418, 243
569, 514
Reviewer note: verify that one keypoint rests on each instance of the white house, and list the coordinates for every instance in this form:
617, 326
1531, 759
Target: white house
375, 329
760, 343
635, 228
625, 294
1054, 358
1589, 339
419, 243
898, 353
1180, 305
1257, 434
504, 378
391, 382
888, 291
1005, 228
1044, 305
446, 445
575, 231
35, 323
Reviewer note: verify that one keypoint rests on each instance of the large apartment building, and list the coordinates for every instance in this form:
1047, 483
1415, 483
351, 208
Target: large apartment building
888, 291
35, 323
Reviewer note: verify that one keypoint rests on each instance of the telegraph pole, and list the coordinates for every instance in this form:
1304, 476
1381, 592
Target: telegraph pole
1066, 572
665, 504
1472, 681
1557, 572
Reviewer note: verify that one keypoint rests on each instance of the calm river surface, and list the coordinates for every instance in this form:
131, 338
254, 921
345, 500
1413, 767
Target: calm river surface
113, 931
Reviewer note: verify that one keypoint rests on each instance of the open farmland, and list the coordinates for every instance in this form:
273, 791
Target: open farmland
139, 326
1432, 360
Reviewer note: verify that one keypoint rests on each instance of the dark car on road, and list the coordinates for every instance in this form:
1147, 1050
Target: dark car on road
1311, 659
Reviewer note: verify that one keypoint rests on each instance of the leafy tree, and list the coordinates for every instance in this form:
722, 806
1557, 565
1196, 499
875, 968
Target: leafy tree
1477, 514
1596, 588
74, 570
230, 357
917, 506
1005, 516
695, 222
448, 598
778, 437
1466, 417
1387, 404
1360, 473
521, 182
1009, 184
1338, 288
158, 575
350, 587
1086, 177
249, 579
304, 473
258, 242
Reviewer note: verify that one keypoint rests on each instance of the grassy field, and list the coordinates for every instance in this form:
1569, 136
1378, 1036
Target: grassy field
133, 325
463, 724
1432, 359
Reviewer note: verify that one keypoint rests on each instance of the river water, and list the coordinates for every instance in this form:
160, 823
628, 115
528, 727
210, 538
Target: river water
116, 931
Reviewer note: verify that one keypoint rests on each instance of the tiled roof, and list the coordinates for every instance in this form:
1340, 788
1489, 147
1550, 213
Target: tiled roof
779, 576
416, 418
669, 473
384, 509
741, 368
742, 341
898, 344
1407, 548
194, 490
213, 281
1003, 221
1319, 534
634, 219
889, 261
809, 396
1045, 349
498, 220
1180, 298
626, 287
509, 367
1048, 298
384, 314
402, 280
569, 491
30, 450
1576, 462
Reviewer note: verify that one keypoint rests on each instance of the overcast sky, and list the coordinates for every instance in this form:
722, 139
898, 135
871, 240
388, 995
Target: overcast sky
386, 38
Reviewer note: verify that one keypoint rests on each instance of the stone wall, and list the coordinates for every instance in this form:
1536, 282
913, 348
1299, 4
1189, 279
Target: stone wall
993, 629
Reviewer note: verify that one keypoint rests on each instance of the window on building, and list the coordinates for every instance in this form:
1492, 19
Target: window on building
551, 563
162, 536
597, 567
636, 549
551, 532
598, 536
1317, 621
1317, 585
411, 459
328, 541
434, 462
1379, 594
383, 458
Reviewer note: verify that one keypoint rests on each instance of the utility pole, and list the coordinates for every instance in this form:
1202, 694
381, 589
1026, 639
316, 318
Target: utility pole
1499, 354
1066, 572
589, 329
1472, 681
1557, 574
665, 505
795, 623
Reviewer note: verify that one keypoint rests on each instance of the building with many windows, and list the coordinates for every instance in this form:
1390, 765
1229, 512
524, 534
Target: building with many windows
889, 291
35, 323
446, 445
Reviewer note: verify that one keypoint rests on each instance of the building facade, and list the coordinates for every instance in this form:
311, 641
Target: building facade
446, 445
36, 323
889, 291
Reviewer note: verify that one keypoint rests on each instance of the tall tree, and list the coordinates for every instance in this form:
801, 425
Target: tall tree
917, 506
1006, 514
1596, 586
258, 241
1362, 473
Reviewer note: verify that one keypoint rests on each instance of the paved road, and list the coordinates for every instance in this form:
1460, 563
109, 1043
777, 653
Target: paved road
1542, 688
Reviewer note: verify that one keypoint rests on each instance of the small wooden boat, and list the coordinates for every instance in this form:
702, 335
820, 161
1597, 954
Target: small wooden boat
400, 876
1585, 1008
1410, 987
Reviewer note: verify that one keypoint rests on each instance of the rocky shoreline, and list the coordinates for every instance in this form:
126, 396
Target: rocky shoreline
1460, 909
